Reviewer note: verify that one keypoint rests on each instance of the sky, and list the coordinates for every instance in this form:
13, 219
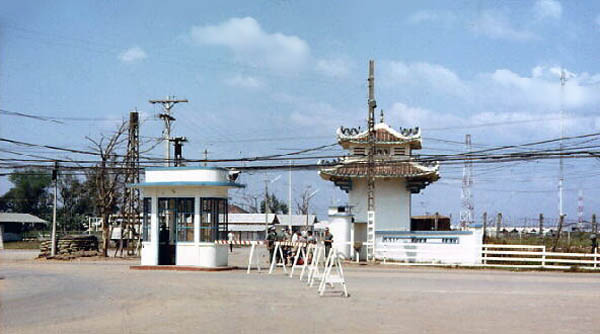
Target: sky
273, 77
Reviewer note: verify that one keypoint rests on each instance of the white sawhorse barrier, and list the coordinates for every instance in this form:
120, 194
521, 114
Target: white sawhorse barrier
320, 268
253, 253
329, 278
274, 262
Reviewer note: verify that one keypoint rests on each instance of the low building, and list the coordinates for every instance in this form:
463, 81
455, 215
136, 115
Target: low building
13, 225
250, 226
298, 222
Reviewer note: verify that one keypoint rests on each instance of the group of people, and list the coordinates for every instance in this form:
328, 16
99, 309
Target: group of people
289, 252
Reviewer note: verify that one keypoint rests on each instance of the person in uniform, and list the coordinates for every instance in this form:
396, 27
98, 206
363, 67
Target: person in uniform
271, 238
328, 241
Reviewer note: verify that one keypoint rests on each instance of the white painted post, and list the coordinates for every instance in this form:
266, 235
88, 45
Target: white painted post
544, 257
596, 258
1, 237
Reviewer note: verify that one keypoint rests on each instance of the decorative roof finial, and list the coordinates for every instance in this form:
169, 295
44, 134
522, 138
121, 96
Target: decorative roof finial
381, 119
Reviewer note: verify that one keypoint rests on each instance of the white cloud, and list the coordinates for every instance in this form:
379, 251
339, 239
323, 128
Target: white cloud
426, 16
333, 67
430, 75
547, 9
495, 24
250, 43
244, 82
132, 55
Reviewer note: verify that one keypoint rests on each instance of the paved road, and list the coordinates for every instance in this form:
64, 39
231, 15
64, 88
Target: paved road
108, 297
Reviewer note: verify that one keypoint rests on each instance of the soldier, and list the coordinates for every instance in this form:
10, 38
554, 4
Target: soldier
271, 238
328, 241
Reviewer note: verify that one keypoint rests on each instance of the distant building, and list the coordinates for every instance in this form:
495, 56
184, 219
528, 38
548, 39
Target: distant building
250, 226
12, 225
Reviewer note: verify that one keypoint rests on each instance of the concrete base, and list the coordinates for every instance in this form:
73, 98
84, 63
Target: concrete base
183, 268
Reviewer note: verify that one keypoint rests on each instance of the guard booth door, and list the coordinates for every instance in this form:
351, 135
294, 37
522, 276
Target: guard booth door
166, 231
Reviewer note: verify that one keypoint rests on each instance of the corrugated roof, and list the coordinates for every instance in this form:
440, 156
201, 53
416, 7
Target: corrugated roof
23, 218
251, 218
246, 228
297, 220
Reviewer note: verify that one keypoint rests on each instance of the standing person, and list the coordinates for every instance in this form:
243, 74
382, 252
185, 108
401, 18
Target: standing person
328, 241
271, 238
230, 240
594, 243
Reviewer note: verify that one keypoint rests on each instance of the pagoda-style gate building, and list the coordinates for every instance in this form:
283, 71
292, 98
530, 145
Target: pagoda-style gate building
397, 176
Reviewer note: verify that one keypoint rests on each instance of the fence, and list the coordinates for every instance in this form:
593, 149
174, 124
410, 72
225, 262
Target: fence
506, 256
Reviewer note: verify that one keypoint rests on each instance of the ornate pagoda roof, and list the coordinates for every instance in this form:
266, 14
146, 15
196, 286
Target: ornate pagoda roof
405, 169
384, 135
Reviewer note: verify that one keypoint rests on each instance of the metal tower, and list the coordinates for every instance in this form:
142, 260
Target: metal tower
466, 213
371, 166
131, 215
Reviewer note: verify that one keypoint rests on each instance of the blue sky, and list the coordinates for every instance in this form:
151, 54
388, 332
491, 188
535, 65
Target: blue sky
295, 71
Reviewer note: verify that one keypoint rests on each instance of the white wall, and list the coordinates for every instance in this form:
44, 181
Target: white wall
186, 175
400, 247
392, 203
339, 227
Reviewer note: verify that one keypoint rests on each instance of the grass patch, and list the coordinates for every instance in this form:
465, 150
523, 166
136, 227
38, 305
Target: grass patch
22, 245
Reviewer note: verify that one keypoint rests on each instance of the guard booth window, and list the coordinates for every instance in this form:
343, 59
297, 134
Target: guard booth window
176, 214
213, 219
146, 218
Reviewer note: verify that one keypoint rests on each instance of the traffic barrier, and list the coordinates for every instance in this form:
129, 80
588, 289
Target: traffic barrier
274, 263
329, 279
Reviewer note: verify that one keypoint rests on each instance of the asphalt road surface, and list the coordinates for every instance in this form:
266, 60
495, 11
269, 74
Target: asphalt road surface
105, 296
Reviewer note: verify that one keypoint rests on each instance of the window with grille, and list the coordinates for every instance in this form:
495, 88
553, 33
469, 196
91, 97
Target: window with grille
147, 210
399, 151
176, 213
360, 151
213, 219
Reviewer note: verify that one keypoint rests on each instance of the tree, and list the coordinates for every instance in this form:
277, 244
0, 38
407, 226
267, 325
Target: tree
275, 206
108, 178
29, 193
76, 202
302, 205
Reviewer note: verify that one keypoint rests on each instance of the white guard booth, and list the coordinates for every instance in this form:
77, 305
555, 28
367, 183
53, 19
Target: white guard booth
184, 212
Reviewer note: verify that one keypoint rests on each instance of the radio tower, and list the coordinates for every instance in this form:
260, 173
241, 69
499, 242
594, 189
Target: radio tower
371, 166
132, 195
466, 196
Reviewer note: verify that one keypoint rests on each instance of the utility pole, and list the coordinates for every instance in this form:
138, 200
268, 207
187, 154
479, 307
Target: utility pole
484, 223
580, 210
371, 165
466, 214
541, 231
267, 209
178, 143
594, 224
167, 105
498, 224
55, 179
561, 179
290, 197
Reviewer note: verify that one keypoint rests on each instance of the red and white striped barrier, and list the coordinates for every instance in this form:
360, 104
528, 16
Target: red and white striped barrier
239, 242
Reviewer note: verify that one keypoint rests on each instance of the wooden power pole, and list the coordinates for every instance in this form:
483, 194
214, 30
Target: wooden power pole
167, 105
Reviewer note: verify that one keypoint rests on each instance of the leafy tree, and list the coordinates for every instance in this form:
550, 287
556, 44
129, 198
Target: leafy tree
76, 202
29, 194
275, 205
